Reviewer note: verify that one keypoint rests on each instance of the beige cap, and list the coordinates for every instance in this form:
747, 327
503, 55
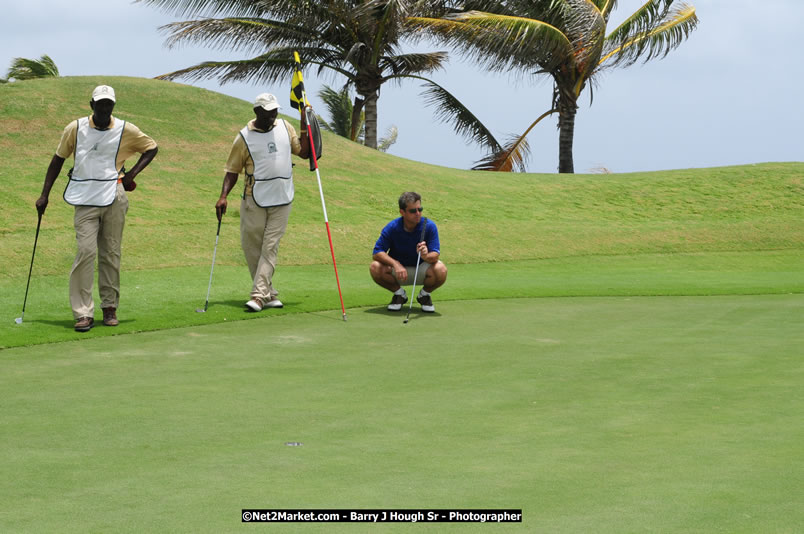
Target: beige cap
103, 92
266, 101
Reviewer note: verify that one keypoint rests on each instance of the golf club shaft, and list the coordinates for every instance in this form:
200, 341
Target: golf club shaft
416, 272
413, 290
212, 270
30, 269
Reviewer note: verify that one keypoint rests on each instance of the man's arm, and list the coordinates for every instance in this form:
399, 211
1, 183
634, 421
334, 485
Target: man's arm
145, 159
398, 268
304, 138
229, 181
428, 256
53, 170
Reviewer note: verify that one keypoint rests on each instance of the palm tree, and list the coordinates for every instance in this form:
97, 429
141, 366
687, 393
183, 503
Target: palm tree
565, 39
358, 39
26, 69
339, 105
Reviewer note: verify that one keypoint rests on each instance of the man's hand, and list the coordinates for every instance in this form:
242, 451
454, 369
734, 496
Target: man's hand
41, 204
220, 207
128, 182
400, 272
421, 248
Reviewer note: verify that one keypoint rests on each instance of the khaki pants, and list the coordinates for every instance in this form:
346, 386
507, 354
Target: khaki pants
98, 231
260, 232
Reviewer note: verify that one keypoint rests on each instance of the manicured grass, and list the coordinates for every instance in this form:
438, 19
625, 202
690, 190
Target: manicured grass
168, 298
618, 414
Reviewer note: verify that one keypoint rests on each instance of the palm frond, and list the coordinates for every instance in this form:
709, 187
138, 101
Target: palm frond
510, 158
244, 34
606, 7
417, 63
240, 8
391, 135
263, 68
514, 155
339, 105
641, 21
449, 109
656, 42
26, 69
499, 42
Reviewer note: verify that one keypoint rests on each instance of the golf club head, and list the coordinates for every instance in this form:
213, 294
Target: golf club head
18, 320
199, 310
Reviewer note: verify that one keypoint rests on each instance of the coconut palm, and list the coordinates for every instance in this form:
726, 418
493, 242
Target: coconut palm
339, 105
565, 39
358, 39
26, 69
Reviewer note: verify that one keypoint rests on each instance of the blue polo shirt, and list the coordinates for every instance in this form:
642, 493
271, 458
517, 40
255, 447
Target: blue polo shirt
401, 245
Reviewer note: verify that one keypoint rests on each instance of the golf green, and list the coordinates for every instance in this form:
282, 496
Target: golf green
604, 414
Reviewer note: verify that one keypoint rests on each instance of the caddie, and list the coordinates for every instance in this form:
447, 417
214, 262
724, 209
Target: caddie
262, 149
100, 145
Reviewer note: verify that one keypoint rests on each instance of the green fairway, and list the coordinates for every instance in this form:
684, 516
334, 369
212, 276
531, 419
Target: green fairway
591, 414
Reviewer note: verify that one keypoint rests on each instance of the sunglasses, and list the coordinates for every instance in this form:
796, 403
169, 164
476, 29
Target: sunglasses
414, 210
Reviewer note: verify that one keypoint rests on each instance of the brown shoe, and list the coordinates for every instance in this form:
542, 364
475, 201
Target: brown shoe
110, 317
84, 324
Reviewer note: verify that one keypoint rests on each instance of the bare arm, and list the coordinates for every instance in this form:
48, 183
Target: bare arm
304, 138
386, 259
229, 181
429, 257
145, 159
53, 170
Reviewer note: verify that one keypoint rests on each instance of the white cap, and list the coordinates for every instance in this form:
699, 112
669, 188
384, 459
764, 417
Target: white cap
266, 101
103, 92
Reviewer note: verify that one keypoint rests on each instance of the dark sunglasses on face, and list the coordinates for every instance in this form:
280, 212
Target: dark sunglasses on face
414, 210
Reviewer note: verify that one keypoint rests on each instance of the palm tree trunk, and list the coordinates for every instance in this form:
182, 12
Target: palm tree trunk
567, 109
357, 109
371, 120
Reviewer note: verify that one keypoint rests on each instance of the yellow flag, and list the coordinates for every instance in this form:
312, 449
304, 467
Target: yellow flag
298, 99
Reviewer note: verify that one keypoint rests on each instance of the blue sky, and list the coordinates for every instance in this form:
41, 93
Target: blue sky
729, 95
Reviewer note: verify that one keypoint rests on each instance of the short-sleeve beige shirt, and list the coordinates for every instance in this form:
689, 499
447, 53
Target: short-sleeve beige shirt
133, 141
240, 159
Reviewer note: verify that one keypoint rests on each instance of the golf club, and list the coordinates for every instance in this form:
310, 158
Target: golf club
214, 252
18, 320
416, 272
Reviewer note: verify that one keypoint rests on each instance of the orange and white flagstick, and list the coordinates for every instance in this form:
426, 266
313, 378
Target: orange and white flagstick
305, 109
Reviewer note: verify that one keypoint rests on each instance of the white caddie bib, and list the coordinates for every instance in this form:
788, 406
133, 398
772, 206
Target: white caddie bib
273, 168
93, 181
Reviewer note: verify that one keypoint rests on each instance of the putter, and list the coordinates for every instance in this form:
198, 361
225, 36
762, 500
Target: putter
214, 252
18, 320
415, 273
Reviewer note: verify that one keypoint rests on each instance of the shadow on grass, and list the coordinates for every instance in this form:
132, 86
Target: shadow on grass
415, 314
68, 324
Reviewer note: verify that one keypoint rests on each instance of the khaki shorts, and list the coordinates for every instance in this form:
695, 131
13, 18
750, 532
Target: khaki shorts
423, 266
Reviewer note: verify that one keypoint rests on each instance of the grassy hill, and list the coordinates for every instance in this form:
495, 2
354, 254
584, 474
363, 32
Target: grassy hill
482, 216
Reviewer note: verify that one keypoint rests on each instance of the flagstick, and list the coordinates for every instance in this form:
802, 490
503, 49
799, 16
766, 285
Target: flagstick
324, 207
302, 104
